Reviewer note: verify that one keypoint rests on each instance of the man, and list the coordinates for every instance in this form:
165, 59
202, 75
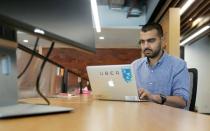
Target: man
161, 78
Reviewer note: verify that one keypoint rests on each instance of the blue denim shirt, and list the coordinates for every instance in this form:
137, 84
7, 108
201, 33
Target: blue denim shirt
169, 76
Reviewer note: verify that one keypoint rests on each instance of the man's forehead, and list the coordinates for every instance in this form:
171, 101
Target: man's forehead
149, 34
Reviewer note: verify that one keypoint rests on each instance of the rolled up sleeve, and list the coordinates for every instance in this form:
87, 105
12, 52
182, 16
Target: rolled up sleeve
181, 82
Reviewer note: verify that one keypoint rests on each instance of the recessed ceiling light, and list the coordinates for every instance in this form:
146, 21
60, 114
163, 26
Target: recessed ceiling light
39, 31
25, 41
101, 38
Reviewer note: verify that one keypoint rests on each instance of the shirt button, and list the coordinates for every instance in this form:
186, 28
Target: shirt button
151, 70
150, 83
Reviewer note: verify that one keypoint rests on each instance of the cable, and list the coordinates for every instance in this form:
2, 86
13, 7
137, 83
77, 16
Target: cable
30, 51
30, 60
40, 73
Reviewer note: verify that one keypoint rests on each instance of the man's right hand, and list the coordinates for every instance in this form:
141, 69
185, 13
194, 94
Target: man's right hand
144, 94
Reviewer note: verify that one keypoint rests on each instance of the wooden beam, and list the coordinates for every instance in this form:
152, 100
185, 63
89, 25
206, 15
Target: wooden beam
171, 27
196, 5
189, 27
197, 12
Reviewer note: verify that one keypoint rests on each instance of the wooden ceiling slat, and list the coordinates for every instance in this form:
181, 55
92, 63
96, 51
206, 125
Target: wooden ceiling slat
188, 24
196, 5
200, 8
181, 3
201, 13
175, 3
195, 13
194, 29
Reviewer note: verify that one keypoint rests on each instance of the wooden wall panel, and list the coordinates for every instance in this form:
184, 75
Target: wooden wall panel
171, 27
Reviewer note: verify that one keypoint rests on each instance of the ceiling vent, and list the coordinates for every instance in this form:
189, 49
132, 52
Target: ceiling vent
134, 8
116, 4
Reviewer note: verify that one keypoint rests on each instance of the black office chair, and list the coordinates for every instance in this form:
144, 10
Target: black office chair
193, 88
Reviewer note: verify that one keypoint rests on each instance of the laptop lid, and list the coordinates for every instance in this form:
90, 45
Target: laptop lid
113, 82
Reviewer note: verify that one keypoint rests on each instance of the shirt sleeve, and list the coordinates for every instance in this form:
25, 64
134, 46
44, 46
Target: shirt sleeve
181, 82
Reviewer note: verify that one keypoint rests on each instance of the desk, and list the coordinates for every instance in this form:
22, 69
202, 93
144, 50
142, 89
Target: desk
96, 115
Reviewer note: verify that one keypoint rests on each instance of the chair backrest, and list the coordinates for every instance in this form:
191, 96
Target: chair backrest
193, 73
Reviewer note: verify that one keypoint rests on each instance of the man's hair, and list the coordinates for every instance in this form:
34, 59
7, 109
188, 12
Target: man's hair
152, 26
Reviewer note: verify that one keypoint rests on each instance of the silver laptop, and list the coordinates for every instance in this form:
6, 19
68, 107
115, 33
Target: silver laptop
113, 82
9, 107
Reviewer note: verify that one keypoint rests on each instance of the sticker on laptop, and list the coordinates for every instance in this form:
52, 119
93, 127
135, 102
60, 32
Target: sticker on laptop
127, 76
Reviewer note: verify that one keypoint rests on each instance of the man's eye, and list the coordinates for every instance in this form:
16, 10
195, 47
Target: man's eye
151, 40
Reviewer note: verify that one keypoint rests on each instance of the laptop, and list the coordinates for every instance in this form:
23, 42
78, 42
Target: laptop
9, 106
113, 82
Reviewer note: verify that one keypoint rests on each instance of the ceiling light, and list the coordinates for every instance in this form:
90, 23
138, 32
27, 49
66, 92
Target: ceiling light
19, 32
101, 38
58, 71
186, 6
194, 35
95, 15
197, 21
39, 31
25, 41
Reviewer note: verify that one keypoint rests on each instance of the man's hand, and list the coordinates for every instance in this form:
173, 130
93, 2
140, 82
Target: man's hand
175, 101
144, 94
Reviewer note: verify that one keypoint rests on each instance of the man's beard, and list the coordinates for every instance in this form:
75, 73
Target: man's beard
153, 54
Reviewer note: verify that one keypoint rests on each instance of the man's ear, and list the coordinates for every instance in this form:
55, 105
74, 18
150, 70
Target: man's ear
163, 42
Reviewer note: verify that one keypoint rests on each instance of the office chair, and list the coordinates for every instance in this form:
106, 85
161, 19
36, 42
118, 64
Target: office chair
193, 73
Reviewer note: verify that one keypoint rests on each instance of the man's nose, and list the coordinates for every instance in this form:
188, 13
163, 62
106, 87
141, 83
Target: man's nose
146, 44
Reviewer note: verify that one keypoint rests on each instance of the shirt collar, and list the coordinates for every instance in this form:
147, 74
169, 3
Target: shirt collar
162, 58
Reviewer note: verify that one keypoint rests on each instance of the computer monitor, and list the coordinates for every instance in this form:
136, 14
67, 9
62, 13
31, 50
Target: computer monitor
66, 21
9, 106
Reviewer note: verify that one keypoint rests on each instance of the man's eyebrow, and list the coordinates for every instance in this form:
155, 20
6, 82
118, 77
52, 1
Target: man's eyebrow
146, 39
151, 39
